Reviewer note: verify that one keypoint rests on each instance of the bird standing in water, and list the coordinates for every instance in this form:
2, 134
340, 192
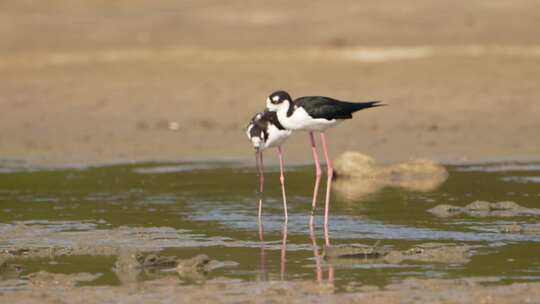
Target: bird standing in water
264, 131
314, 114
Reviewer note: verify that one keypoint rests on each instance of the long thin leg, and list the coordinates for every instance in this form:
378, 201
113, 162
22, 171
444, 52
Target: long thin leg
282, 180
283, 251
260, 169
317, 176
329, 174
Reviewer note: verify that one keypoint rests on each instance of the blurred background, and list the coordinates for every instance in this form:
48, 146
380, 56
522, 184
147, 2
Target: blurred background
99, 81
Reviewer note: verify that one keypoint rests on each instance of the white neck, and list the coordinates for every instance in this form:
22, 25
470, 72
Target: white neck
287, 121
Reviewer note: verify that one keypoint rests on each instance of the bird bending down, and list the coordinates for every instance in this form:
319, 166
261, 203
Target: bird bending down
314, 114
264, 131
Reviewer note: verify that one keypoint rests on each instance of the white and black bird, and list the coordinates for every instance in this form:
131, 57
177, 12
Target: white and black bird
314, 114
264, 131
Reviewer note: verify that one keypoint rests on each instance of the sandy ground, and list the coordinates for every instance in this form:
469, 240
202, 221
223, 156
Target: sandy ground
98, 81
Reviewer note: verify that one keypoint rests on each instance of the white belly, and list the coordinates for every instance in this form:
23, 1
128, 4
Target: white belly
301, 121
276, 137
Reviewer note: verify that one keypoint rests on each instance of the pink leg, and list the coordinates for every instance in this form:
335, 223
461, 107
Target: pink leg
260, 169
261, 230
283, 251
317, 177
282, 180
329, 174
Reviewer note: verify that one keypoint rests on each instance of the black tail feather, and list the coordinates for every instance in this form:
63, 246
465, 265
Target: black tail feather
357, 106
329, 108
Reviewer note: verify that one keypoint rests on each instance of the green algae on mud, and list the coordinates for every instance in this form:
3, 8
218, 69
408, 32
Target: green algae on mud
78, 220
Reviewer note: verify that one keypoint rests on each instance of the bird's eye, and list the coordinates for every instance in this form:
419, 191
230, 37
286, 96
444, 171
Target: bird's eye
276, 100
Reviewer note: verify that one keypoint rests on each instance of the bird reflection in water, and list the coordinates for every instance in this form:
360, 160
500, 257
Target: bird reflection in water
318, 257
283, 253
263, 274
320, 266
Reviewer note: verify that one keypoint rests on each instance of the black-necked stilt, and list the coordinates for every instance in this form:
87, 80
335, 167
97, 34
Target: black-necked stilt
314, 114
265, 131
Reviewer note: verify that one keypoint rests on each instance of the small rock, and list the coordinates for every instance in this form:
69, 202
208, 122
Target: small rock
517, 228
154, 260
439, 253
356, 251
197, 263
427, 252
478, 206
444, 210
195, 268
513, 228
507, 205
173, 126
484, 209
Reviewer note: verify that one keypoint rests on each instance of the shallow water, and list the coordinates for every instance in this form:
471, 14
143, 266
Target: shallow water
184, 209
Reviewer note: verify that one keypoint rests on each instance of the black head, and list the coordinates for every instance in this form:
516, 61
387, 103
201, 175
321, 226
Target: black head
279, 97
257, 130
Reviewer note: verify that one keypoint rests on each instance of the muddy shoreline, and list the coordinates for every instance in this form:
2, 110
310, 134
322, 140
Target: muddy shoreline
61, 288
144, 273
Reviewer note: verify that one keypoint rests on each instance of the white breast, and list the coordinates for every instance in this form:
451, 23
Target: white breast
300, 120
276, 137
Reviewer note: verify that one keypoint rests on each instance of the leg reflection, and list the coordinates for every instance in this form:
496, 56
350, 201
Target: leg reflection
262, 263
319, 258
330, 273
316, 254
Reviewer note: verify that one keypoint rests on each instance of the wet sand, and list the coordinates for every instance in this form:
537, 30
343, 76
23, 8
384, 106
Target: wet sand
47, 287
177, 81
58, 288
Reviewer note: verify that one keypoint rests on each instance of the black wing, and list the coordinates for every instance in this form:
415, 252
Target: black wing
329, 108
271, 117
